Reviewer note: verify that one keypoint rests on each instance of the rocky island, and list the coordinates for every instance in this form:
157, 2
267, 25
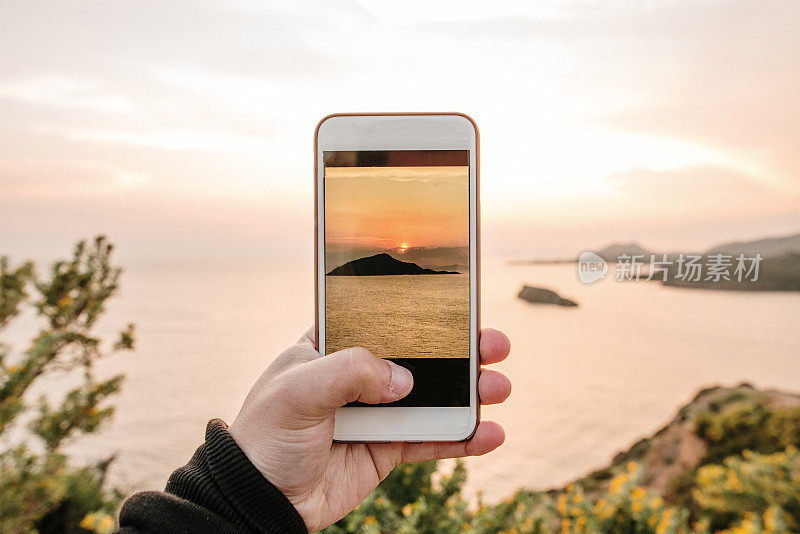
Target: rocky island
539, 295
381, 265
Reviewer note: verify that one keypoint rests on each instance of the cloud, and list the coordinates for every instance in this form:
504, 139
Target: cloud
100, 38
722, 76
65, 92
685, 106
209, 141
699, 191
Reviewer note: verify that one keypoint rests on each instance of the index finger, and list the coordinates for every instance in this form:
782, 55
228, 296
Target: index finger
494, 346
309, 337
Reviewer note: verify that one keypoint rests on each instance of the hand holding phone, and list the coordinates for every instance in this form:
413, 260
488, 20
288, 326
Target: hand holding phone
286, 426
380, 176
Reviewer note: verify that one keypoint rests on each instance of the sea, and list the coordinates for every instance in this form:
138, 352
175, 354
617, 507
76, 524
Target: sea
587, 381
379, 312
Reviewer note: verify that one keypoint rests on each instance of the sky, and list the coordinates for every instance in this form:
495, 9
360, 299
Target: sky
185, 130
397, 207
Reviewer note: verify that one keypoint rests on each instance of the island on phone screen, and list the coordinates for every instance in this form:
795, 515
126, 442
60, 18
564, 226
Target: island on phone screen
397, 264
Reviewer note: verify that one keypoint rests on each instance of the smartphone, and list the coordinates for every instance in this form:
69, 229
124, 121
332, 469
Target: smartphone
397, 265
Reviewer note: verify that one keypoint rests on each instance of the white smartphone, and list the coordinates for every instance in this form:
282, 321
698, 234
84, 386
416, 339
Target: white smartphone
397, 265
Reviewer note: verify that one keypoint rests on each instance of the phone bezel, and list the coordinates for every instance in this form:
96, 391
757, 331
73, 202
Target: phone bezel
402, 131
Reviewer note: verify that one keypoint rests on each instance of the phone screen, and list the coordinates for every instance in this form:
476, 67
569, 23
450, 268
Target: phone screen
397, 265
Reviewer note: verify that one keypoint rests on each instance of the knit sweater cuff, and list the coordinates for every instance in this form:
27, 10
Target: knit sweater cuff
218, 491
256, 500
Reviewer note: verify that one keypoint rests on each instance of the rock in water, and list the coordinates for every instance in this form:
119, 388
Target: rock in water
540, 295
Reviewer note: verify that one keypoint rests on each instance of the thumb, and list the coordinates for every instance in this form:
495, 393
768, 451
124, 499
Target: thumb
355, 374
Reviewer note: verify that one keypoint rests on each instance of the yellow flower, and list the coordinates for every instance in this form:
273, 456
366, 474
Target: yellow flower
603, 509
599, 505
638, 493
578, 498
562, 504
570, 487
771, 518
370, 520
581, 522
565, 526
616, 483
748, 526
656, 502
631, 467
105, 525
702, 525
710, 474
88, 522
407, 509
63, 302
636, 506
732, 482
666, 521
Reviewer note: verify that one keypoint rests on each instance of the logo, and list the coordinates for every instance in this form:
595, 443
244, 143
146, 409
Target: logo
591, 267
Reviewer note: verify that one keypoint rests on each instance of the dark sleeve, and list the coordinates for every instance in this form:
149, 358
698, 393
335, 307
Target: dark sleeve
219, 491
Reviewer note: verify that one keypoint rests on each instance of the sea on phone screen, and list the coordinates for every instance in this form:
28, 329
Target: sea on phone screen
399, 316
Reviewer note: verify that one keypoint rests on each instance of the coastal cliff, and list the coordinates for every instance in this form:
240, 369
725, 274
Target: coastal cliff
728, 462
717, 423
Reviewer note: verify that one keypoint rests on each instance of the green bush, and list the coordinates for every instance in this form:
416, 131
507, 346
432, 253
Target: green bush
39, 490
748, 424
411, 499
759, 490
752, 492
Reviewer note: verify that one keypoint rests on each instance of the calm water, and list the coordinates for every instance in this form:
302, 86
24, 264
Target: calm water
379, 313
588, 381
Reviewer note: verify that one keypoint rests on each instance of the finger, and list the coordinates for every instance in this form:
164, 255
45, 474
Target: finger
293, 356
301, 352
349, 375
493, 387
309, 337
487, 438
494, 346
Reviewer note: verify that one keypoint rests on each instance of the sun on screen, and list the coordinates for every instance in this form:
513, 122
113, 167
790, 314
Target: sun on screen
403, 247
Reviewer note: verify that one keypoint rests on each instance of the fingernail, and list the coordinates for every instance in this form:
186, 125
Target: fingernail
402, 381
